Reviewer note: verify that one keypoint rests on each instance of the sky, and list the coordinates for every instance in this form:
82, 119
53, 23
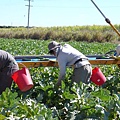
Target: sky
49, 13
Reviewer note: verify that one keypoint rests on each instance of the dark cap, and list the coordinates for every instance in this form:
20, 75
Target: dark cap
52, 45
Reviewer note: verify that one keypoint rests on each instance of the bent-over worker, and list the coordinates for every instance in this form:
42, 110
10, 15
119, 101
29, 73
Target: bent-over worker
68, 56
8, 66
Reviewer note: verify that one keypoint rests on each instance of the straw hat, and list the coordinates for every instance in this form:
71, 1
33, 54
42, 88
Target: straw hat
52, 45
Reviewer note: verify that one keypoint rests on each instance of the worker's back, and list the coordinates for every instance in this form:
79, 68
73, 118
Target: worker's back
5, 57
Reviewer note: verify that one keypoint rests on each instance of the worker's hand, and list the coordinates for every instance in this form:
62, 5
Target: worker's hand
58, 83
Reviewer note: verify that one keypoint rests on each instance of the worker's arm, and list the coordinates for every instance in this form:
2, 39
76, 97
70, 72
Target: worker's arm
62, 66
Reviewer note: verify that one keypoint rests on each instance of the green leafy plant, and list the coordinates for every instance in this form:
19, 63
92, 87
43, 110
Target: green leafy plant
45, 101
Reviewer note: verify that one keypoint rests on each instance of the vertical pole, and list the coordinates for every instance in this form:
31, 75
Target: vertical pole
29, 5
28, 14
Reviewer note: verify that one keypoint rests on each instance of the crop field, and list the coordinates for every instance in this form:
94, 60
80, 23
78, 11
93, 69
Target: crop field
46, 102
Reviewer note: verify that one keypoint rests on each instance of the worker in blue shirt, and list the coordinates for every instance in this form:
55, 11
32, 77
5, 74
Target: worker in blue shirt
68, 56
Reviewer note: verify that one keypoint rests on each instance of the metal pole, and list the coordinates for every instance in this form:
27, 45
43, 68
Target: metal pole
29, 5
106, 19
28, 14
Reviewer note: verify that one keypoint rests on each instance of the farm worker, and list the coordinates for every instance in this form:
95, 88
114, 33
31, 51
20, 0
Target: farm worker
68, 56
118, 50
8, 66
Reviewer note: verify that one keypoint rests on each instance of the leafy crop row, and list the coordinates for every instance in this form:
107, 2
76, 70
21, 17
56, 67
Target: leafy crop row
46, 102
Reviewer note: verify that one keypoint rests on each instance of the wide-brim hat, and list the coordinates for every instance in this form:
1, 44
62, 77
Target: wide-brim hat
52, 45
